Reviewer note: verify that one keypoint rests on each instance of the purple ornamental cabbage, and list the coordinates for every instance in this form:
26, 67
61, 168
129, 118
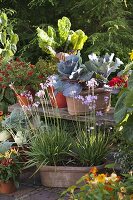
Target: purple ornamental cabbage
66, 67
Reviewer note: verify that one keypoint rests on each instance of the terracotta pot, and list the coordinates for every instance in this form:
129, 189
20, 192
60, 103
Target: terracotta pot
58, 100
22, 100
7, 187
76, 107
60, 176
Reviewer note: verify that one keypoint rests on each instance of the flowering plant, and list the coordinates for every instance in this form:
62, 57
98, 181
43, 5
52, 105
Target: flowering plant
10, 165
118, 82
101, 186
23, 74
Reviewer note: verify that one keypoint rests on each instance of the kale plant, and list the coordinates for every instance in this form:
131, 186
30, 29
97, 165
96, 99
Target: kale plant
103, 66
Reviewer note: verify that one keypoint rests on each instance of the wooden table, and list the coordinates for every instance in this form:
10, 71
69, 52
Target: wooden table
107, 118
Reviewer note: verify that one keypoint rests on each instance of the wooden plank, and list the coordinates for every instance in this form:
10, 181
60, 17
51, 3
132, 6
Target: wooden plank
107, 118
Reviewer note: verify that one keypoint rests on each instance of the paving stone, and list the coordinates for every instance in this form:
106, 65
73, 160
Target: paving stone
31, 189
34, 193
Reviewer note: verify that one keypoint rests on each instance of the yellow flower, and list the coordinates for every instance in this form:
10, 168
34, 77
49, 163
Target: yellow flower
14, 151
131, 55
123, 189
101, 178
1, 155
7, 154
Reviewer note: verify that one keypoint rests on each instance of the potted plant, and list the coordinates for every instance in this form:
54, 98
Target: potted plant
63, 159
10, 169
25, 78
91, 77
84, 84
59, 44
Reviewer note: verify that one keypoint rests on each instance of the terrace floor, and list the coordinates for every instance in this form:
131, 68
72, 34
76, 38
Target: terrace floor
31, 189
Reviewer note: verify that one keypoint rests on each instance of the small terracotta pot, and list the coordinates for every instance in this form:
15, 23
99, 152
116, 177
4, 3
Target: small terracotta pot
76, 106
60, 176
22, 100
58, 100
7, 187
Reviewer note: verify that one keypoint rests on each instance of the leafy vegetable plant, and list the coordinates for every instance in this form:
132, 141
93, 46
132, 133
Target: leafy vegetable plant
62, 39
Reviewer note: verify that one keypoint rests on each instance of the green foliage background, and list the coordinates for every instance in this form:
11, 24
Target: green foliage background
108, 23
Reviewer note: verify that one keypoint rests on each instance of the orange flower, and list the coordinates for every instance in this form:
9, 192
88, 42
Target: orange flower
93, 170
108, 187
86, 178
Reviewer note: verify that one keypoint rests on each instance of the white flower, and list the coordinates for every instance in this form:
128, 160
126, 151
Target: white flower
113, 177
40, 94
36, 104
92, 83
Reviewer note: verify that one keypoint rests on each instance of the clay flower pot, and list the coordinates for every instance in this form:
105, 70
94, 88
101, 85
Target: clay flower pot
7, 187
58, 100
23, 100
63, 176
76, 106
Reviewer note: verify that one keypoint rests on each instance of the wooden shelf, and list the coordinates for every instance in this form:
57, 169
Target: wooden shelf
107, 118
